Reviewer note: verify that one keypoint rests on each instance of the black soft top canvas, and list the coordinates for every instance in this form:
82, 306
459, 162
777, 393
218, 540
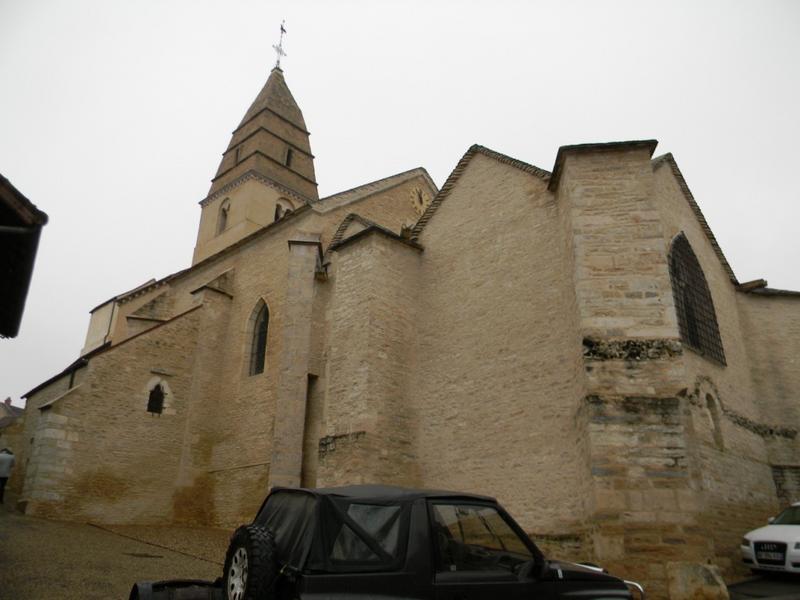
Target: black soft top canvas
346, 529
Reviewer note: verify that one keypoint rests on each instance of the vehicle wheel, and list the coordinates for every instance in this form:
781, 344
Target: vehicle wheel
251, 567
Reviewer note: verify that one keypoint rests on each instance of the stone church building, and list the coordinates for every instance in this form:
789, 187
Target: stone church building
572, 342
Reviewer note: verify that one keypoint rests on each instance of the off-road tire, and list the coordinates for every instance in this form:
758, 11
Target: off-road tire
258, 545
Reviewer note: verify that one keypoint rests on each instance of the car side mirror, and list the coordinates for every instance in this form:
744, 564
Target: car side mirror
770, 520
533, 569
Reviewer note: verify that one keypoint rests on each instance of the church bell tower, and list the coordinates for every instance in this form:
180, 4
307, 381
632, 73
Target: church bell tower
266, 172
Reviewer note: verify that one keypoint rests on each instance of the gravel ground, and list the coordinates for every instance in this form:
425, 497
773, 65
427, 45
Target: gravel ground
41, 559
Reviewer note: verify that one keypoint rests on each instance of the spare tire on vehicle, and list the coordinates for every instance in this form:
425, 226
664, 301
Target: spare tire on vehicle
251, 565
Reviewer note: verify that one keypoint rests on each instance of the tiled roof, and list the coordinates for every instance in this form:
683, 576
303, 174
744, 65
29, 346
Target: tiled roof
668, 159
339, 240
459, 170
7, 421
275, 96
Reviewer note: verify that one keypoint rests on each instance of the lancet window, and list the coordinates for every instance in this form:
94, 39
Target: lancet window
258, 344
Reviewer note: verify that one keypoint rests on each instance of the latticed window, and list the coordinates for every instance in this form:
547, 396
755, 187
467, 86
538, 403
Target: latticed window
697, 320
258, 349
155, 402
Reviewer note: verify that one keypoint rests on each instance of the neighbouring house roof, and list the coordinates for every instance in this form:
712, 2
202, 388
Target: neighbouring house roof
7, 421
20, 227
459, 169
669, 160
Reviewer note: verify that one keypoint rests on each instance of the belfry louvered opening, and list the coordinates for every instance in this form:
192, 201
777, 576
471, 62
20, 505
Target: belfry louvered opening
697, 319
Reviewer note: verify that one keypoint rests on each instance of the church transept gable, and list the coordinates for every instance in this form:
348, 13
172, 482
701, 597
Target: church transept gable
457, 173
666, 165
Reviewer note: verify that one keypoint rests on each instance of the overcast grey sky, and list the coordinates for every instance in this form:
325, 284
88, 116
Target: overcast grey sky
113, 117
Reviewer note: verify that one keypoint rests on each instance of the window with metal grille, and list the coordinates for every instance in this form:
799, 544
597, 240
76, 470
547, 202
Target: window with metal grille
697, 320
258, 348
155, 402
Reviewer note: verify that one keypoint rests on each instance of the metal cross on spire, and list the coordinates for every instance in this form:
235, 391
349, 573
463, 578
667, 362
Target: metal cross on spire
279, 47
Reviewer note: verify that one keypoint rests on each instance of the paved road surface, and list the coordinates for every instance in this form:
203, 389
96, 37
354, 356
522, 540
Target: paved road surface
775, 587
43, 560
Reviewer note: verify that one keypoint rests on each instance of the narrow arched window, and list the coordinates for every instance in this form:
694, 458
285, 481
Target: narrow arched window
258, 346
697, 320
155, 401
222, 220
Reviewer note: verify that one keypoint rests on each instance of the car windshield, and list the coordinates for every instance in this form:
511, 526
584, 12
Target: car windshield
791, 516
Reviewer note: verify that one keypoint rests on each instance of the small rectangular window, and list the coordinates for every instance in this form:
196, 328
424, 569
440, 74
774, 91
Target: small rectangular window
289, 157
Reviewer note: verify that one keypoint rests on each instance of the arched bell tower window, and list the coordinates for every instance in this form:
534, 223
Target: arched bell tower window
258, 343
222, 219
697, 319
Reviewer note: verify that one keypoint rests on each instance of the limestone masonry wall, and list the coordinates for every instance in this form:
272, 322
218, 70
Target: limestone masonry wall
368, 419
497, 384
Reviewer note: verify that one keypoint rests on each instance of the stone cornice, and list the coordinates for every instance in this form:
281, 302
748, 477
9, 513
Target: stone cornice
258, 177
273, 134
269, 158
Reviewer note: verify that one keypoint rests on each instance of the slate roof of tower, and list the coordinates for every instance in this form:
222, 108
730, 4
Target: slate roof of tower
275, 96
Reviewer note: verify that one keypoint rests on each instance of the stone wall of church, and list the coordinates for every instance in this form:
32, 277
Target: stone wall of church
99, 455
731, 428
369, 423
498, 378
644, 493
772, 333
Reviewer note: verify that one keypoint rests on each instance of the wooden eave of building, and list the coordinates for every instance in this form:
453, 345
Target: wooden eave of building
20, 228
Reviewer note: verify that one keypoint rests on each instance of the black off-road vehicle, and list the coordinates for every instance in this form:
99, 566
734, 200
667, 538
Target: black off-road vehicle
389, 543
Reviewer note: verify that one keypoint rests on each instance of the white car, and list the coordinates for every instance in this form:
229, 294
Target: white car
775, 547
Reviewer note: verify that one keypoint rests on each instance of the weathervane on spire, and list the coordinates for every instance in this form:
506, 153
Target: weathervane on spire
279, 47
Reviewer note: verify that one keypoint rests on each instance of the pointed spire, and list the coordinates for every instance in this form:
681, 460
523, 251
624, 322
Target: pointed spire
275, 96
273, 141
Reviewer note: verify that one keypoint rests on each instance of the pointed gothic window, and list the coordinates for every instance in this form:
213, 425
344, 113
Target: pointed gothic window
155, 402
258, 344
222, 220
697, 320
